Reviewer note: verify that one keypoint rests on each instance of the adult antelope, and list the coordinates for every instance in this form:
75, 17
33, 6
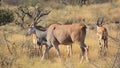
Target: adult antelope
102, 34
39, 37
66, 34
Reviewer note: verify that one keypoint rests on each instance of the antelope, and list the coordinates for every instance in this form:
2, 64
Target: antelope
102, 34
39, 37
66, 34
36, 42
35, 16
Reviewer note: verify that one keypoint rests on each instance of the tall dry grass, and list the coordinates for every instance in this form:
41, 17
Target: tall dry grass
89, 13
22, 57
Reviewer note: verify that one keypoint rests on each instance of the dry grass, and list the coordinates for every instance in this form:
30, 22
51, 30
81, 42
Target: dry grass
89, 13
20, 44
24, 60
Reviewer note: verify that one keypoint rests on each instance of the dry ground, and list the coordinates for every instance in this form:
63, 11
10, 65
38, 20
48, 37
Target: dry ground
16, 43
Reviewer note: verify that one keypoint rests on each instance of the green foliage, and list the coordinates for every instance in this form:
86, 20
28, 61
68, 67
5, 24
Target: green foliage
6, 16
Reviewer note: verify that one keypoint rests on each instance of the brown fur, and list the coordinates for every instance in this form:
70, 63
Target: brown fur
34, 37
67, 34
102, 35
103, 32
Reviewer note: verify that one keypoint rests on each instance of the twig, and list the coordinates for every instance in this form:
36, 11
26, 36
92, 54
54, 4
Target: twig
95, 65
115, 59
116, 56
115, 39
4, 37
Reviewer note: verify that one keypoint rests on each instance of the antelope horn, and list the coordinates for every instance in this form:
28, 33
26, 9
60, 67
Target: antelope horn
98, 22
35, 23
102, 21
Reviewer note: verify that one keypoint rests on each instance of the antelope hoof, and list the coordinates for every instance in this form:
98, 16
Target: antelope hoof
81, 61
87, 60
42, 58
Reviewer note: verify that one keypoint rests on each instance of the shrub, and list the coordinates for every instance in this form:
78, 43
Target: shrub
6, 16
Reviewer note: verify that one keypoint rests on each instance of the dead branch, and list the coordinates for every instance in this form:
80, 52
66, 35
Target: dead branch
35, 15
117, 55
115, 59
4, 37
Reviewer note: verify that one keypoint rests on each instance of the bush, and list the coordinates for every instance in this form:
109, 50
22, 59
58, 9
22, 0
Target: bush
6, 16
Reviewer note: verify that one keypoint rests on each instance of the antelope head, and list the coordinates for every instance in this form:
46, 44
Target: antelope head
100, 24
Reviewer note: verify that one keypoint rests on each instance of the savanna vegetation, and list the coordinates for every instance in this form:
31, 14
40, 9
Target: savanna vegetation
16, 50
